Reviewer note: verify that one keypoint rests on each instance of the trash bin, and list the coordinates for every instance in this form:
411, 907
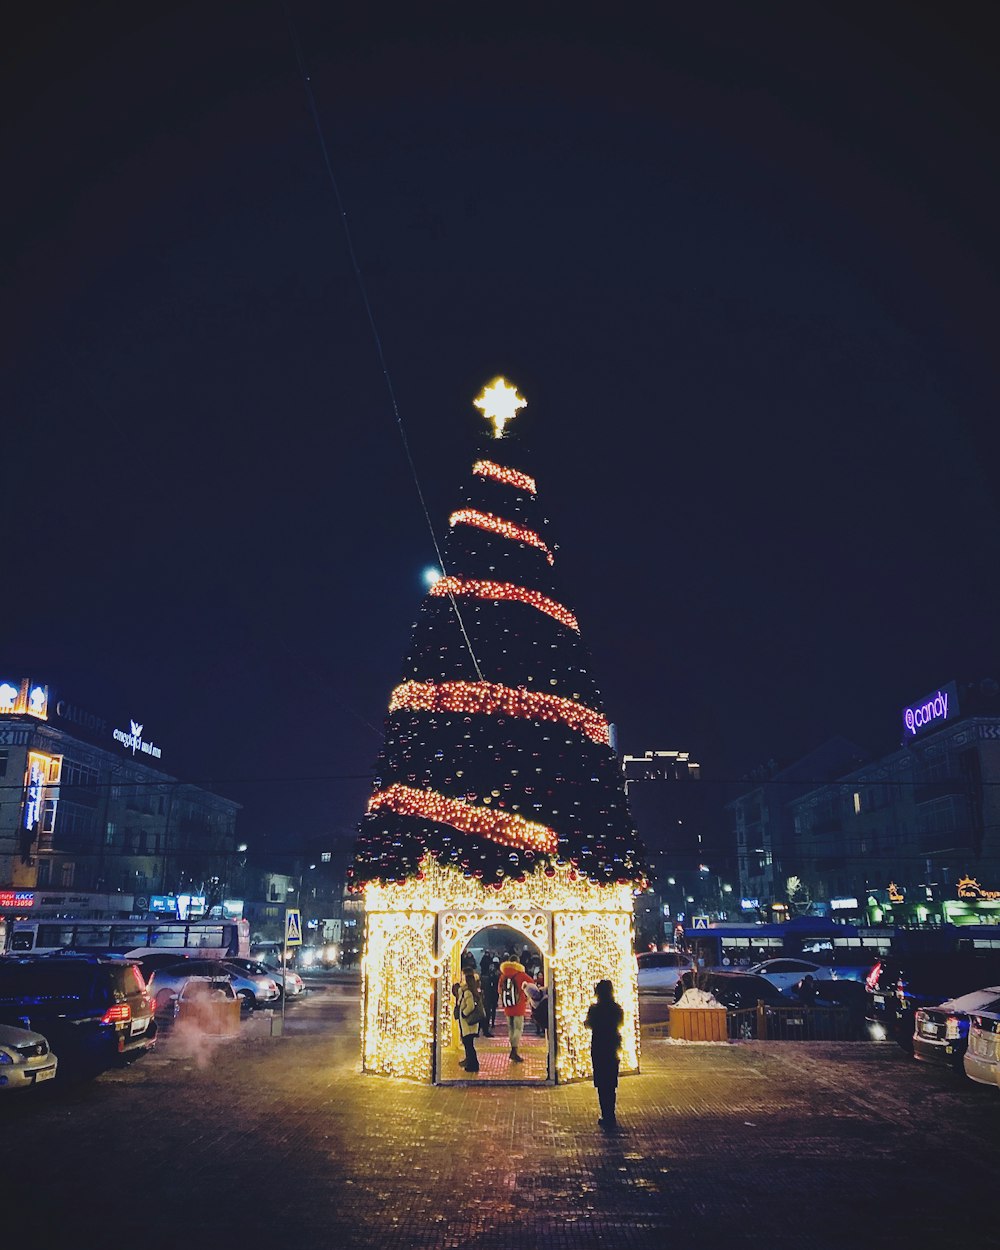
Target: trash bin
698, 1024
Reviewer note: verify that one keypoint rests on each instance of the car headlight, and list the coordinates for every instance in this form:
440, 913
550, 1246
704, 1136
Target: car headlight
5, 1058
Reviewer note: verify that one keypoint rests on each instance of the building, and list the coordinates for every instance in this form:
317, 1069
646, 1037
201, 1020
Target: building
915, 835
85, 805
682, 823
763, 825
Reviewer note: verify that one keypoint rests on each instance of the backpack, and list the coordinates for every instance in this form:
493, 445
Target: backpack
509, 994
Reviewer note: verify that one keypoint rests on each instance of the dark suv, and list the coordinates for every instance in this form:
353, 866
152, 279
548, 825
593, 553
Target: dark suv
94, 1012
900, 984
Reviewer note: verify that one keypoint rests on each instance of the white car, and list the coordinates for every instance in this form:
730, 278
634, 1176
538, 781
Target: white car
25, 1058
982, 1055
661, 970
288, 982
786, 973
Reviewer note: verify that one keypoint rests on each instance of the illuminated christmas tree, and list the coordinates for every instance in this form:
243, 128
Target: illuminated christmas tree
498, 798
497, 758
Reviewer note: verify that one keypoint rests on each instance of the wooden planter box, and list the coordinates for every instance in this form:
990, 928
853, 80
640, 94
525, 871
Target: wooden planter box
698, 1024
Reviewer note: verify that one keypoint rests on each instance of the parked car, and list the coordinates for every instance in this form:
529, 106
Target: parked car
25, 1059
166, 983
96, 1013
661, 970
941, 1034
255, 968
734, 990
786, 973
982, 1056
898, 986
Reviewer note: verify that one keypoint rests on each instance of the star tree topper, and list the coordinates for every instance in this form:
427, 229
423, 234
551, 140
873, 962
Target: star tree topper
499, 402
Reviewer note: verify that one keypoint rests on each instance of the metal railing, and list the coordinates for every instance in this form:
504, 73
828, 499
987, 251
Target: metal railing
767, 1023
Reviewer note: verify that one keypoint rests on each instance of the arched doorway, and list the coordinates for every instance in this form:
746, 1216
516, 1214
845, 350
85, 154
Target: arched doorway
528, 934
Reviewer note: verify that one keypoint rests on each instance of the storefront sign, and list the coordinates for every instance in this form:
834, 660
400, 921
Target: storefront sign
969, 887
843, 904
79, 716
133, 741
24, 697
750, 904
17, 899
895, 893
931, 712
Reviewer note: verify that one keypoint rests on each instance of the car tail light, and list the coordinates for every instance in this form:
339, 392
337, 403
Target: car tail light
901, 992
953, 1027
871, 980
117, 1013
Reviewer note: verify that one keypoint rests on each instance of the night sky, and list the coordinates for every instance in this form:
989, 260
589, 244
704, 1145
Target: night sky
742, 260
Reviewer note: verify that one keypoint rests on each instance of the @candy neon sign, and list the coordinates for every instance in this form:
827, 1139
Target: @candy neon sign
933, 710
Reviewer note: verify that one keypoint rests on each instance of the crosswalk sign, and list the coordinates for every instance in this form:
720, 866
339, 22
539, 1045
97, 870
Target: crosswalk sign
293, 926
699, 922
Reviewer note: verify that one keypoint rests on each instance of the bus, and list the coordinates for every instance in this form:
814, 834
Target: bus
204, 938
737, 947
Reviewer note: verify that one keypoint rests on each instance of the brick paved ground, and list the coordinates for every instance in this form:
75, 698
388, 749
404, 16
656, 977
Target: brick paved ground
279, 1141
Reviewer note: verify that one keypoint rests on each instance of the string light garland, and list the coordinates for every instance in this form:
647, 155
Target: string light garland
478, 589
498, 826
491, 698
509, 477
497, 525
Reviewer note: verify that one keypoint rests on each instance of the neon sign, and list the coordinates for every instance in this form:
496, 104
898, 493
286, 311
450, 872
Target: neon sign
17, 898
931, 711
969, 887
27, 698
895, 893
134, 741
37, 772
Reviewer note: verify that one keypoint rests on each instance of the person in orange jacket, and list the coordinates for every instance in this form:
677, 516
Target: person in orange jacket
514, 1001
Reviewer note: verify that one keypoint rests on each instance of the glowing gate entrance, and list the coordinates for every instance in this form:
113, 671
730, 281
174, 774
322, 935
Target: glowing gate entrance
415, 930
454, 931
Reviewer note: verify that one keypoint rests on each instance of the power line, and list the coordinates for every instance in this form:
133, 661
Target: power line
376, 336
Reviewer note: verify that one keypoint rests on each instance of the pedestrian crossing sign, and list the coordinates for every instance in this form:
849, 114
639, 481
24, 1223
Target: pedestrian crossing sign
699, 922
293, 926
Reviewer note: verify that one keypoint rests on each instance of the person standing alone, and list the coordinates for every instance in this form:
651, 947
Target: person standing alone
470, 1014
604, 1019
514, 1002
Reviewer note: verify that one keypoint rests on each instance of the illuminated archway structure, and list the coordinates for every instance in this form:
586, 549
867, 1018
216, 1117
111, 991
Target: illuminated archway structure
498, 799
416, 929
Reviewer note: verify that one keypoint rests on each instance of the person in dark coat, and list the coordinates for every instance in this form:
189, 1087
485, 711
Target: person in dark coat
604, 1019
490, 978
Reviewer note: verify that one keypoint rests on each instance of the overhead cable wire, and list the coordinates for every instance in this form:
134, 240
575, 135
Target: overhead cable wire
373, 325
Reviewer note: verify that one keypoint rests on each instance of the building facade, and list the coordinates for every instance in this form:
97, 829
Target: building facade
913, 837
86, 806
681, 821
763, 825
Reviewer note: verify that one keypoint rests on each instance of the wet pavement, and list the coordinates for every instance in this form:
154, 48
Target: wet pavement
270, 1140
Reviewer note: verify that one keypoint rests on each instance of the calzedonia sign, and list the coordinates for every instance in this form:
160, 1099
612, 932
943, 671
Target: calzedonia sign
931, 712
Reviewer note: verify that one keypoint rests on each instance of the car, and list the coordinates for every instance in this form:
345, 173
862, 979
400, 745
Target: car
899, 985
734, 990
166, 983
982, 1055
95, 1012
25, 1059
941, 1034
661, 970
256, 968
785, 973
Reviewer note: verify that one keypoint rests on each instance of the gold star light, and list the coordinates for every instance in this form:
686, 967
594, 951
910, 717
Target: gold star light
499, 401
